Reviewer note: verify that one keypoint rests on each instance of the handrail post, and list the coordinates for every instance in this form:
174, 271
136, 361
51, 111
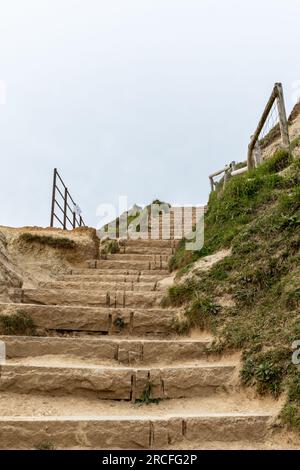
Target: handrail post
226, 176
53, 198
250, 162
65, 208
74, 220
283, 122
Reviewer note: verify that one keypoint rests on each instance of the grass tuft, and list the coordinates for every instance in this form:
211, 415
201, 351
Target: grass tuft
45, 445
48, 240
145, 398
19, 323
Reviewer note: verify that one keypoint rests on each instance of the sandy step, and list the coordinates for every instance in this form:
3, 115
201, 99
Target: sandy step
222, 402
102, 320
147, 250
147, 244
111, 432
117, 383
143, 278
138, 265
114, 350
135, 299
64, 297
157, 258
92, 270
157, 236
92, 297
101, 285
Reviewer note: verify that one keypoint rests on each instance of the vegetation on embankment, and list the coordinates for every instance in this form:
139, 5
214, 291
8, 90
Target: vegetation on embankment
251, 299
74, 246
49, 240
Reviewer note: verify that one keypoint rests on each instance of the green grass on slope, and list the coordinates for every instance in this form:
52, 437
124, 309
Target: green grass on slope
258, 215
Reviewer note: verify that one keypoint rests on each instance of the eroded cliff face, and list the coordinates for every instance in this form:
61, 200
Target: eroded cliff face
41, 254
9, 275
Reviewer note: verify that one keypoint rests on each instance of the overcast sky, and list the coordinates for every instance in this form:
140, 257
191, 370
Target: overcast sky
142, 98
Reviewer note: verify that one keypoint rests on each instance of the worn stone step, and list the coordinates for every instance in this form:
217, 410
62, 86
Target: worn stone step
102, 320
100, 285
92, 297
95, 278
156, 258
158, 236
117, 383
147, 244
132, 432
135, 299
116, 350
140, 265
149, 251
93, 271
64, 297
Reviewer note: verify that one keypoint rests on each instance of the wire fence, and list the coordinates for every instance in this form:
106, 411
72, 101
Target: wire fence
269, 132
272, 125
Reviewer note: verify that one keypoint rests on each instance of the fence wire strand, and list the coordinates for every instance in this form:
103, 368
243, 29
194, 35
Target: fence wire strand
271, 122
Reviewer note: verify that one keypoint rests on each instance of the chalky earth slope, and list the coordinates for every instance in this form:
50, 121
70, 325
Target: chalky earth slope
105, 368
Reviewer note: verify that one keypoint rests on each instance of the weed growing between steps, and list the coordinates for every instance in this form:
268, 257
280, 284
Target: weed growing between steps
251, 299
109, 247
45, 445
55, 242
145, 398
119, 323
113, 247
18, 323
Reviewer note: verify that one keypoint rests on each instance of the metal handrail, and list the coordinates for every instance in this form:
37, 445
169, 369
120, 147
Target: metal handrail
66, 210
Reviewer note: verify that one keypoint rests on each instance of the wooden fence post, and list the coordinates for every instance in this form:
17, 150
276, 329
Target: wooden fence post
283, 122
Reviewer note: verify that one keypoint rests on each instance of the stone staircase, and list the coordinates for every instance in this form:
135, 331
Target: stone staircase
108, 372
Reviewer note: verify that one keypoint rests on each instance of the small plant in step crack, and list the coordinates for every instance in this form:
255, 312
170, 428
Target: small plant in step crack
18, 323
145, 397
119, 322
113, 247
180, 325
45, 445
266, 370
